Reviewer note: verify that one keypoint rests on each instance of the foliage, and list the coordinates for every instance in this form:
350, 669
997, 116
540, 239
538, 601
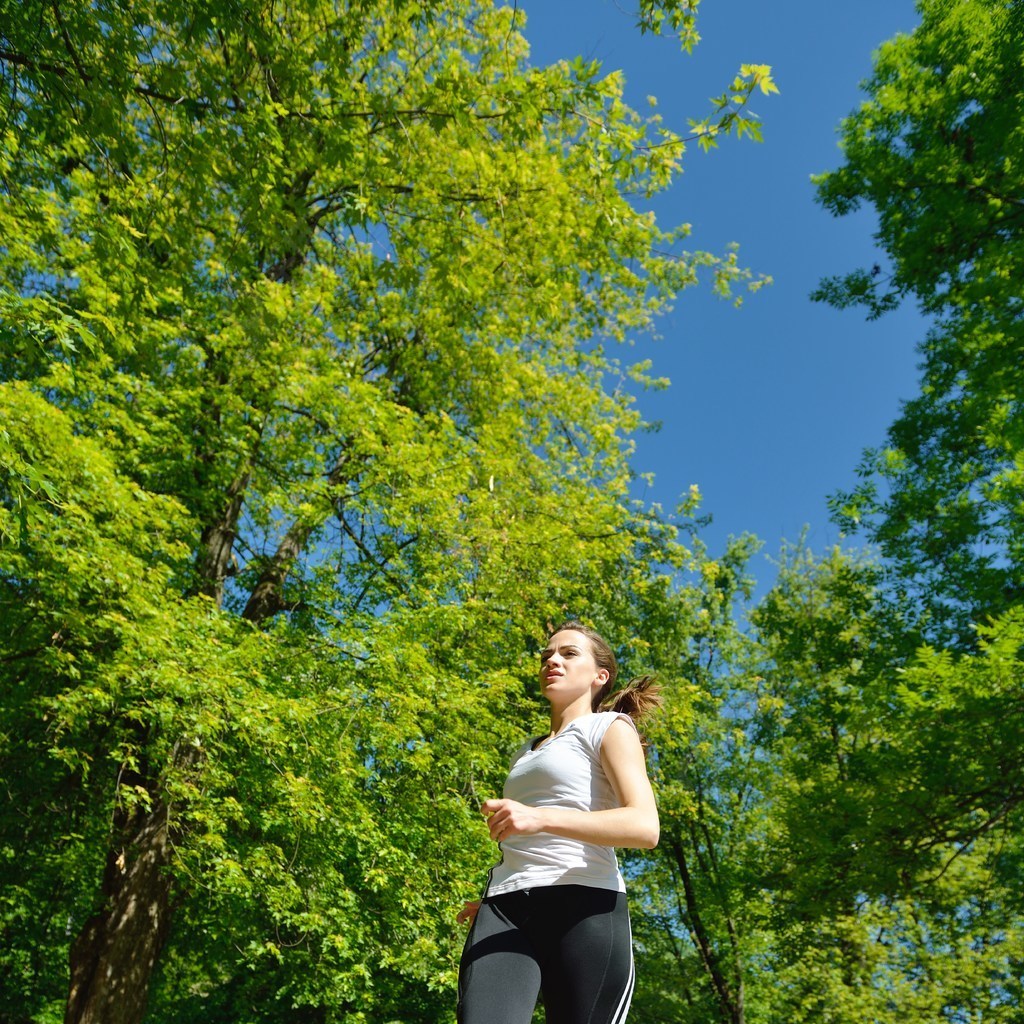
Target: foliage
701, 912
311, 421
841, 809
936, 150
890, 690
897, 804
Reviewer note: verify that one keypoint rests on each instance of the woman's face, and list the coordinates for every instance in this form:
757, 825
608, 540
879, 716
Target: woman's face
568, 668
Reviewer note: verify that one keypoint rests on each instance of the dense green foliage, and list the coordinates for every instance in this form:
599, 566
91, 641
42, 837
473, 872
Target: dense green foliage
937, 150
841, 811
311, 422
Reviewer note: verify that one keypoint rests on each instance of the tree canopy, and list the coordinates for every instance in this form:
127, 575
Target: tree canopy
936, 149
312, 419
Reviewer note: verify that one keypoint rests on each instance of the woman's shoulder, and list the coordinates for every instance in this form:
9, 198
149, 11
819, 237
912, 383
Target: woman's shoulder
596, 725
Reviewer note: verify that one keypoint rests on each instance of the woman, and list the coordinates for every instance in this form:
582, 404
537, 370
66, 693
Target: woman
553, 919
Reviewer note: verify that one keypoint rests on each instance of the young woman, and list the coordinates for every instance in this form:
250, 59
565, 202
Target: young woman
553, 919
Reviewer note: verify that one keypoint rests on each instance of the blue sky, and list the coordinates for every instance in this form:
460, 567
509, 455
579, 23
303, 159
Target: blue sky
770, 405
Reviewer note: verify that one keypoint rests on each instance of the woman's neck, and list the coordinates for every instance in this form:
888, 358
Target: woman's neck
561, 717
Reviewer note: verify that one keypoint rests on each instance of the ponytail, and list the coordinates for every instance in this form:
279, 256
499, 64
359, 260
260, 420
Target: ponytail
638, 699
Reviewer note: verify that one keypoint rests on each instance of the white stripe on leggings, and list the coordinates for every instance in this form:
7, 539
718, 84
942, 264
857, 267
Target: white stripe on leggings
627, 996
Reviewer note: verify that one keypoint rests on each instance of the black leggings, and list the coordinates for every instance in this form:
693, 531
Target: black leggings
571, 943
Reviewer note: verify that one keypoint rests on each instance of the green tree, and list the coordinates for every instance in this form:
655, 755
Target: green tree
895, 806
929, 810
309, 420
936, 149
841, 807
699, 921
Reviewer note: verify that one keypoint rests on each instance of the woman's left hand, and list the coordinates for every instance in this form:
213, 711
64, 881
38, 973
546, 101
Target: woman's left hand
510, 818
470, 908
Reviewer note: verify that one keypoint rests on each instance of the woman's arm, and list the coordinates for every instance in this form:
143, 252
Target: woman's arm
632, 824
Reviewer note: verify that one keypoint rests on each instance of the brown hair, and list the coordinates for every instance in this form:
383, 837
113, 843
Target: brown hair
638, 698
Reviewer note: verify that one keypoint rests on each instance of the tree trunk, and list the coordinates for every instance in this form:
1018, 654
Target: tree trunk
731, 1005
112, 958
217, 545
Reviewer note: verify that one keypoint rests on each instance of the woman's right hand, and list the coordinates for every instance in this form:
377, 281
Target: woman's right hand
468, 912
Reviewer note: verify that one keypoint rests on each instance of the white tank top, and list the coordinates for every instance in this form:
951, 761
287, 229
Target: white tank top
565, 772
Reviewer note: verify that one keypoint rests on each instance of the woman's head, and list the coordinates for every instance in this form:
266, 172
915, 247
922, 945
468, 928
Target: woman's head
637, 699
602, 653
